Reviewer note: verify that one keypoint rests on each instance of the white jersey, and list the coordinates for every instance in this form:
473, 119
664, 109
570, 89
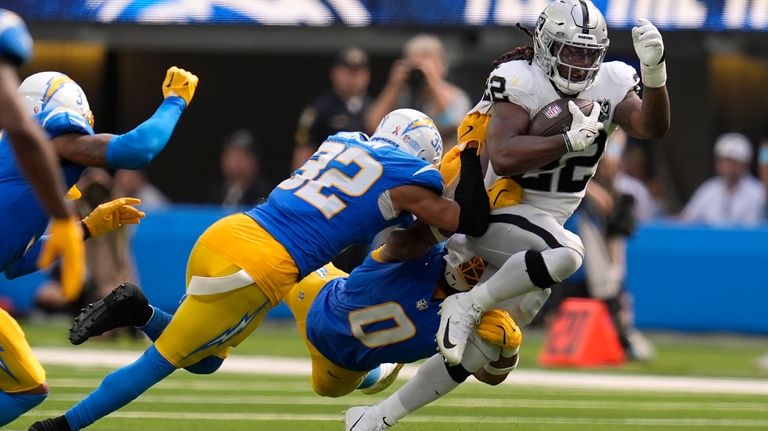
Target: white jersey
558, 187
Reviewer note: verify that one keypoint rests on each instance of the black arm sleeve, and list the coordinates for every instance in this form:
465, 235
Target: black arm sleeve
471, 196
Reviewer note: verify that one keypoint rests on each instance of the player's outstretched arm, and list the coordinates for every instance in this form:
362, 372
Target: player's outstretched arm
650, 117
103, 219
135, 149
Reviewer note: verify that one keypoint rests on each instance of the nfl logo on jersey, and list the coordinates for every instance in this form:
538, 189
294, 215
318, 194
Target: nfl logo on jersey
552, 111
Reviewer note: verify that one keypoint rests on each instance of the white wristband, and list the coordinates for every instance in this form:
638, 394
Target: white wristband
654, 76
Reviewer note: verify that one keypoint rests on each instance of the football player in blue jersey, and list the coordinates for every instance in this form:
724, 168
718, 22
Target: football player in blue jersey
244, 264
35, 157
61, 108
360, 328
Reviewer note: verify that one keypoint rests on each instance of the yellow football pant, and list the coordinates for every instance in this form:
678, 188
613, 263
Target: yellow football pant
20, 371
328, 379
212, 324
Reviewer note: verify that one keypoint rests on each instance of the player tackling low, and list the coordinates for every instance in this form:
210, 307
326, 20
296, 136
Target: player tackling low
528, 242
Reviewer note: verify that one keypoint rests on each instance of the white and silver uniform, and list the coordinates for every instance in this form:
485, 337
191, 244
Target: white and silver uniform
552, 192
558, 187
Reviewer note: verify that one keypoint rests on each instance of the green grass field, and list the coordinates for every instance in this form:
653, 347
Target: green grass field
234, 402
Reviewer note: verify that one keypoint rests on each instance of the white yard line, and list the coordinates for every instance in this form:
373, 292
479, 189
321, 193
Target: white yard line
538, 378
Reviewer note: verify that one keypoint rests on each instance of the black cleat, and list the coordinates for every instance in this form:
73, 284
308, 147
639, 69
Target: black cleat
124, 306
54, 424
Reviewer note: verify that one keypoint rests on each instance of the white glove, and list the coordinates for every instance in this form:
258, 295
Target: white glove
650, 50
583, 129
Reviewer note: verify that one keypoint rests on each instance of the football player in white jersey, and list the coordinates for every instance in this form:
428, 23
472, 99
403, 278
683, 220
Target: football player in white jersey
527, 242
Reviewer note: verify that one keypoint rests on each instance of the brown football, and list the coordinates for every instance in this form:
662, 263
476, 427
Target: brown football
555, 118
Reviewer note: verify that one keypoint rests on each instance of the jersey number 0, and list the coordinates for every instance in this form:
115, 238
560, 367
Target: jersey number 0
314, 178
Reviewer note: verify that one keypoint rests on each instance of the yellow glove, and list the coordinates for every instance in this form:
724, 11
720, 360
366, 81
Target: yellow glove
111, 215
497, 327
504, 193
473, 128
66, 240
179, 82
450, 165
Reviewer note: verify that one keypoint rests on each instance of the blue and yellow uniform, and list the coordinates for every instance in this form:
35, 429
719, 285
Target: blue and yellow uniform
382, 313
246, 263
22, 221
20, 372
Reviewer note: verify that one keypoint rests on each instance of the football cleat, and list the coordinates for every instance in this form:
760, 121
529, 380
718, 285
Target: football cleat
366, 418
388, 375
458, 317
124, 306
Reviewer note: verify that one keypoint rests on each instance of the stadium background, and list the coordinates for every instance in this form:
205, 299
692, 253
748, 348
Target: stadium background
260, 62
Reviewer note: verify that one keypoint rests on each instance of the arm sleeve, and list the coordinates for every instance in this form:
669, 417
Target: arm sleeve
141, 145
471, 196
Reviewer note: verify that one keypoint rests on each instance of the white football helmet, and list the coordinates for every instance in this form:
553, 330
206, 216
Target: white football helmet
46, 91
569, 43
412, 132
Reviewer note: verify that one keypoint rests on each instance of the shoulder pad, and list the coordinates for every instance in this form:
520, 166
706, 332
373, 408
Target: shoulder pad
61, 121
15, 41
355, 136
513, 82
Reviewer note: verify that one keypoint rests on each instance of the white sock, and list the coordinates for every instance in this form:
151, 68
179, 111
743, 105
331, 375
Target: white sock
509, 281
430, 383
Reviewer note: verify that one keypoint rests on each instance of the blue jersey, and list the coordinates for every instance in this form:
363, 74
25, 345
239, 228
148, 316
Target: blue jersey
22, 217
338, 198
384, 312
15, 42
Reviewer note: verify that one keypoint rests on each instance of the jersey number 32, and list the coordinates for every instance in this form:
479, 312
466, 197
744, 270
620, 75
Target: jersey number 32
315, 178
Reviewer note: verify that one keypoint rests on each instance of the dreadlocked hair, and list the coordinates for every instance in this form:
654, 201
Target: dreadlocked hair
524, 52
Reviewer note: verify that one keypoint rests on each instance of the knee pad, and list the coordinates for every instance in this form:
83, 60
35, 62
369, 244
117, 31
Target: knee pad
550, 267
207, 365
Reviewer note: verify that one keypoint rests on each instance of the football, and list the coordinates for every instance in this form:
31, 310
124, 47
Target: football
555, 118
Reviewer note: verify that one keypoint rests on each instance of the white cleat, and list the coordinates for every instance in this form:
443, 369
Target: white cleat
458, 317
366, 418
387, 376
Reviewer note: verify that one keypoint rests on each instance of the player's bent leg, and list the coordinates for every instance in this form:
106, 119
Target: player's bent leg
328, 379
433, 380
206, 324
22, 378
14, 405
